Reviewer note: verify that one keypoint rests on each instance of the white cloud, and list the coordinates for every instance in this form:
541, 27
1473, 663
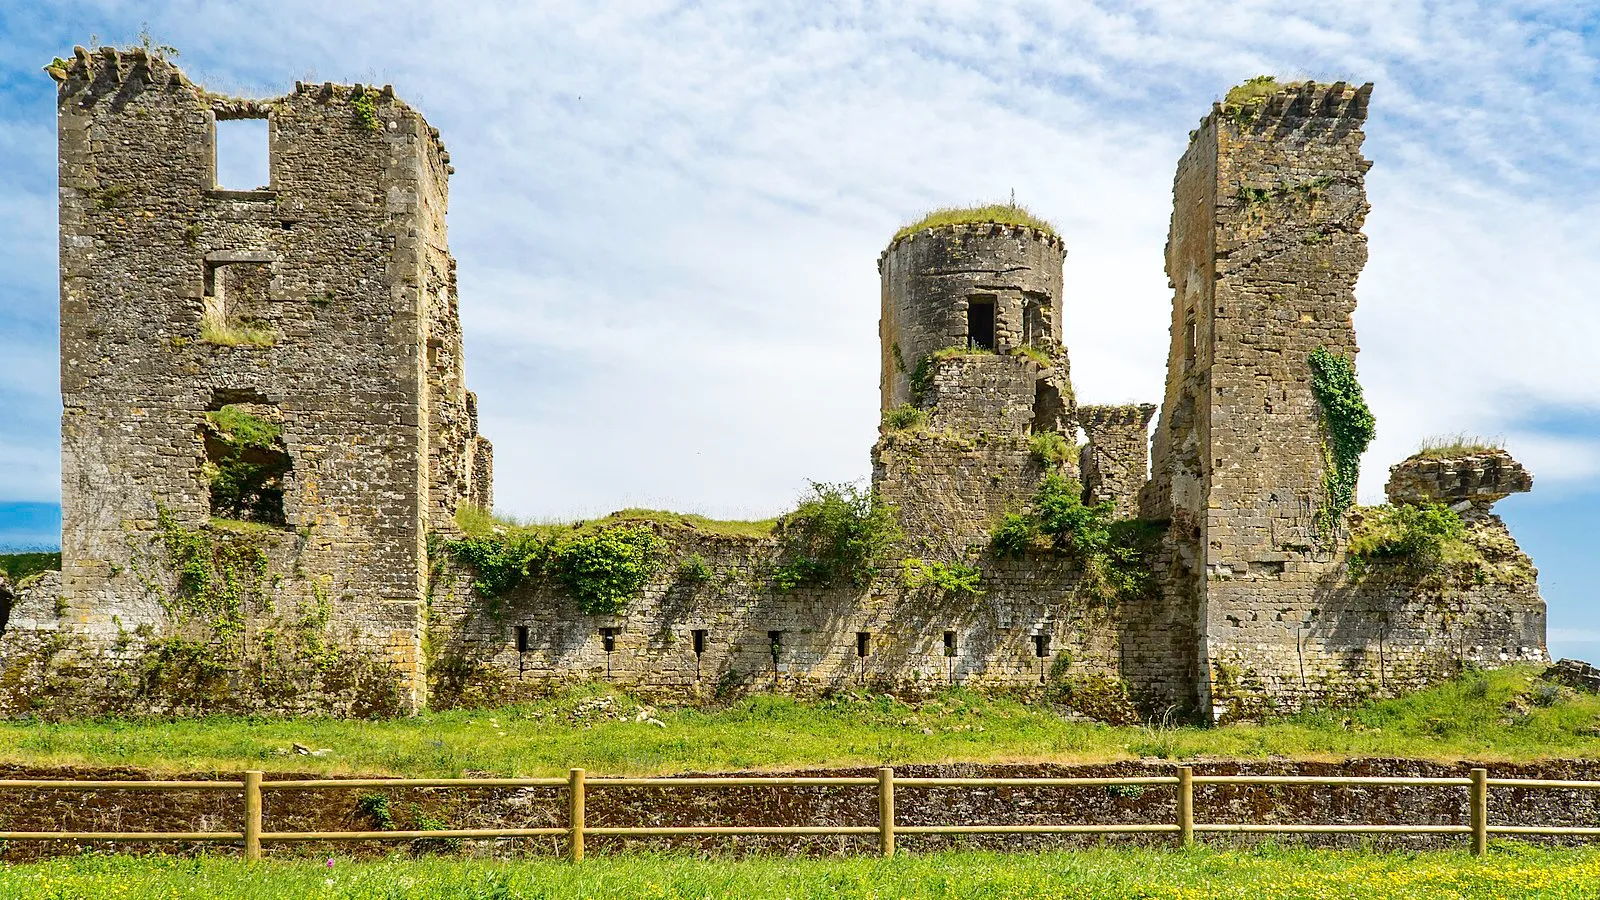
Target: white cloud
667, 216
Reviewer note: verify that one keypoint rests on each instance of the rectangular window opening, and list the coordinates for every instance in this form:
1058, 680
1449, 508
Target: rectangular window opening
1041, 645
863, 643
522, 638
949, 643
243, 162
699, 641
775, 638
980, 324
608, 638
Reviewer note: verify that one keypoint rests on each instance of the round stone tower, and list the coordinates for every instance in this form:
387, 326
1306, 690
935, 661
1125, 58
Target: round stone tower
973, 369
954, 294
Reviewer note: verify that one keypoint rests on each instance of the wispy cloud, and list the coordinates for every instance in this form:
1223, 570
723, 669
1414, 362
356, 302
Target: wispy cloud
667, 214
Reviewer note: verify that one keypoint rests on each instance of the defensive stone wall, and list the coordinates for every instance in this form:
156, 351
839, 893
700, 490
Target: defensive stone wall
267, 440
703, 633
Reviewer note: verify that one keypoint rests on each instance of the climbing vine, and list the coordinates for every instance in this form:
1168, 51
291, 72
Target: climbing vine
213, 574
1348, 427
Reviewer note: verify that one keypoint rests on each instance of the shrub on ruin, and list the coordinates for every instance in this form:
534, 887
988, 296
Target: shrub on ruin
1424, 537
1110, 552
955, 578
837, 533
1050, 448
604, 569
905, 417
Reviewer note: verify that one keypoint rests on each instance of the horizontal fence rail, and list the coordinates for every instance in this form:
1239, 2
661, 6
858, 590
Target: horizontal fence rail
577, 785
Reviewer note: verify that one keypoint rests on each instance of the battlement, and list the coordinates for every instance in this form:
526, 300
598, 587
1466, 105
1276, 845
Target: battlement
1294, 102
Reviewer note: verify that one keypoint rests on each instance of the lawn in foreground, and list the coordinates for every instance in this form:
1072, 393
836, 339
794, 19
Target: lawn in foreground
1494, 716
1509, 870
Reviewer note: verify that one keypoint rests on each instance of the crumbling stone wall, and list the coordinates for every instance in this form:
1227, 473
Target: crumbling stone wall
996, 635
312, 325
1265, 248
1116, 459
326, 299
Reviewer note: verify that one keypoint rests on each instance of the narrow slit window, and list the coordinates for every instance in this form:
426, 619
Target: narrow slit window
522, 638
980, 324
243, 161
949, 643
608, 638
775, 638
863, 643
699, 641
1041, 645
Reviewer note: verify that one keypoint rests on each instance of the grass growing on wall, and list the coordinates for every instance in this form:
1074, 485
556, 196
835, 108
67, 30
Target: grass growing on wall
1261, 873
981, 214
1459, 444
1492, 716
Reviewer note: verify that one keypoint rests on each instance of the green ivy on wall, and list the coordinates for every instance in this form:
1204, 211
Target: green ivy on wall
1348, 426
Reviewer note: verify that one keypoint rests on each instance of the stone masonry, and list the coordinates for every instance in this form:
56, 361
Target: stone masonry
267, 437
338, 275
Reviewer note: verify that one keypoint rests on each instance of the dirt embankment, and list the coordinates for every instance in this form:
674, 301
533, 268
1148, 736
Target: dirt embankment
426, 808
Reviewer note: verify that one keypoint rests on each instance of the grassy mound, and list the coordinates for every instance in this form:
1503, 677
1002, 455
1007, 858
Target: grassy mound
991, 214
1496, 716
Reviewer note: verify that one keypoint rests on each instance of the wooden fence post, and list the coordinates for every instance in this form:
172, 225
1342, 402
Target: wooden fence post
1185, 806
1480, 811
575, 815
252, 816
886, 810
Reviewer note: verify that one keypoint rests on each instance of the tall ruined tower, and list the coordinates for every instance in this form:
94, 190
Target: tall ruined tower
1263, 256
264, 407
971, 340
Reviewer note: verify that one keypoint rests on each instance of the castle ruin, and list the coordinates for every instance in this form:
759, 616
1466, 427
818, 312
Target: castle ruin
267, 439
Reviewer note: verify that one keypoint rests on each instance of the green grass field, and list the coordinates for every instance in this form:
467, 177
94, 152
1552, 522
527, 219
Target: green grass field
1495, 716
1508, 871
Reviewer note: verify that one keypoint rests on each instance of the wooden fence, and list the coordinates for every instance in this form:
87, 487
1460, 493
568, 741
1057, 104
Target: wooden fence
577, 785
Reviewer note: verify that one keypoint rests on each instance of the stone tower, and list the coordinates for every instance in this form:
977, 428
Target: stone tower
1263, 256
264, 405
971, 338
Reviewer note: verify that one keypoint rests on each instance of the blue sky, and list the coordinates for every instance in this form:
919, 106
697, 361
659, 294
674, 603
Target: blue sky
667, 217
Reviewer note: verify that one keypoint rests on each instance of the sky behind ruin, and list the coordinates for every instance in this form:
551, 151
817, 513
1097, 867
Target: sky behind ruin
667, 218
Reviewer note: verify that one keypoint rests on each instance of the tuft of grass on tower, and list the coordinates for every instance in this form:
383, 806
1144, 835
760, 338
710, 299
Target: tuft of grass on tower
988, 214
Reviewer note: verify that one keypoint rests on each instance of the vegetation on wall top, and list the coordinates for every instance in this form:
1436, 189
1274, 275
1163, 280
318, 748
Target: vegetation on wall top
1348, 427
601, 566
837, 533
1110, 551
1444, 446
983, 214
